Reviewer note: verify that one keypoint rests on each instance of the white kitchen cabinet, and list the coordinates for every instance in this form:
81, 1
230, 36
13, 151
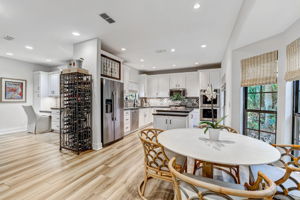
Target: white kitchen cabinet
192, 84
171, 122
127, 122
55, 120
152, 86
53, 84
143, 85
163, 87
145, 116
196, 117
212, 76
40, 90
177, 80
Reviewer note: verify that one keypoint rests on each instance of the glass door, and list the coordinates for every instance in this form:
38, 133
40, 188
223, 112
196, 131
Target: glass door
260, 112
296, 113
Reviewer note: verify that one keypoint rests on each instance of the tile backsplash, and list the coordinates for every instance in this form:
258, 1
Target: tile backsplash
189, 102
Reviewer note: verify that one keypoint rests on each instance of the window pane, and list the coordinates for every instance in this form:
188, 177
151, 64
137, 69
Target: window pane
252, 133
297, 130
268, 122
269, 101
254, 89
253, 101
252, 121
270, 88
267, 137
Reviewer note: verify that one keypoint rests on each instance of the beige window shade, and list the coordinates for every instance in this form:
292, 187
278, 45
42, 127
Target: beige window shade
260, 70
293, 61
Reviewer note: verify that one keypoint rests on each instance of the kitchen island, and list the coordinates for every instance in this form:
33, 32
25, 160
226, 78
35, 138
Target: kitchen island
173, 118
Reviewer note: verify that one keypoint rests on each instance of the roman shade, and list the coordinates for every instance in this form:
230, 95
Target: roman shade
260, 70
293, 61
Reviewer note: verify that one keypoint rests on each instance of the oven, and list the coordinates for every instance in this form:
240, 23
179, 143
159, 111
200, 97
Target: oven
206, 114
204, 101
180, 91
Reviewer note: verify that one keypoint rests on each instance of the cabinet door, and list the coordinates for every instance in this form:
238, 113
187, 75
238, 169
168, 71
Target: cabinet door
152, 86
160, 122
192, 84
204, 79
163, 86
177, 122
54, 84
177, 80
141, 117
143, 85
215, 78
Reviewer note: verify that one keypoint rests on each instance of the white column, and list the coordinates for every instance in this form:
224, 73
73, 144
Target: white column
90, 51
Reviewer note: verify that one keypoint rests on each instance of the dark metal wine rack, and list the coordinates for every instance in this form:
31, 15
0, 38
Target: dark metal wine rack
76, 112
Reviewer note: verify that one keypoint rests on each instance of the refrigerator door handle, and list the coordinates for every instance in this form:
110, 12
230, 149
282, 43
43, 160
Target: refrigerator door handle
113, 106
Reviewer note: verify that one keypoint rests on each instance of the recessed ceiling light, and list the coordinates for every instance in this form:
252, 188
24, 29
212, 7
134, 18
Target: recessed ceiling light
203, 45
142, 60
196, 63
75, 33
123, 49
172, 50
196, 6
9, 54
48, 60
174, 65
153, 67
29, 47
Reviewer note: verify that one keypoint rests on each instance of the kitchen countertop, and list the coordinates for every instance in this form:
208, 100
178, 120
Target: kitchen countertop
172, 114
133, 108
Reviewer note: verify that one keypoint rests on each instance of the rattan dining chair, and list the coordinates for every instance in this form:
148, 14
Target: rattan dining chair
285, 173
231, 170
156, 159
187, 187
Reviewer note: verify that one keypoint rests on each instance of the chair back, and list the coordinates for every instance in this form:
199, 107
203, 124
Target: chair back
227, 128
31, 115
155, 156
263, 188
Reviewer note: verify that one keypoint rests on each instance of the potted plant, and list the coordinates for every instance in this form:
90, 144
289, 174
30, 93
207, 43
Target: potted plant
177, 98
213, 128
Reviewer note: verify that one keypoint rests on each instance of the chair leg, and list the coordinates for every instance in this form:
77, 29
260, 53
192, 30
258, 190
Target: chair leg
144, 184
238, 174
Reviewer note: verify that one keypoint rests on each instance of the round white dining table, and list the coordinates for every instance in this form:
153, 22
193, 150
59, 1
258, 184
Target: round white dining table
230, 149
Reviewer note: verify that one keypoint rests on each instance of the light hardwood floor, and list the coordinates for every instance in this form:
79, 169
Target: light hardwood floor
32, 167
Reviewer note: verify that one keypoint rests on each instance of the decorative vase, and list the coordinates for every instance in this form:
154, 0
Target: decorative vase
214, 134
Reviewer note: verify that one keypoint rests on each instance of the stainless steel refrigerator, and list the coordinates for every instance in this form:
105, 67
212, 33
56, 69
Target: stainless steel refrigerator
112, 93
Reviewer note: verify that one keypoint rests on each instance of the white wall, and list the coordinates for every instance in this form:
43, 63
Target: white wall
90, 50
232, 68
12, 115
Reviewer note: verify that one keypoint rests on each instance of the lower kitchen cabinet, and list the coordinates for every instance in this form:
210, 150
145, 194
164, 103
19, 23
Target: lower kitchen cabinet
55, 120
171, 122
127, 122
145, 116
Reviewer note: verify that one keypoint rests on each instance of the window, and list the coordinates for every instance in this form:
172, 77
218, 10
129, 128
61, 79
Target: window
296, 112
260, 114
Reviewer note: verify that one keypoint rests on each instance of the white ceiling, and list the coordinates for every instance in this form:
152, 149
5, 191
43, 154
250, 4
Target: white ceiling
267, 18
142, 27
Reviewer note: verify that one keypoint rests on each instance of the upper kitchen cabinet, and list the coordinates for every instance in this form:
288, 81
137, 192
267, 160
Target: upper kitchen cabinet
143, 85
212, 76
192, 84
131, 79
53, 84
177, 80
152, 86
163, 85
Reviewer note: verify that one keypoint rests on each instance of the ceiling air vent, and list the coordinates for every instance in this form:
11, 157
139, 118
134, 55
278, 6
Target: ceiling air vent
107, 18
8, 37
161, 51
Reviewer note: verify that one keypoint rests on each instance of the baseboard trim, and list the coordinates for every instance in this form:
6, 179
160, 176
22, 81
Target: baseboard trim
13, 130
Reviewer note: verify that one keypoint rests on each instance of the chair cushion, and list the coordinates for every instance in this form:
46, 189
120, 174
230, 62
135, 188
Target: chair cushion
191, 193
275, 173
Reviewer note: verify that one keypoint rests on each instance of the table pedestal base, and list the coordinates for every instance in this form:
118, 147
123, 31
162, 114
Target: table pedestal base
208, 170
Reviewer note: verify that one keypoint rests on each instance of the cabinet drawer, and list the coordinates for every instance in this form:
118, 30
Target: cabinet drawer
127, 113
127, 128
55, 126
55, 112
55, 118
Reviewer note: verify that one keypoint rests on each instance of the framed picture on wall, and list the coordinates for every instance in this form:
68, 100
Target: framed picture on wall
111, 68
13, 90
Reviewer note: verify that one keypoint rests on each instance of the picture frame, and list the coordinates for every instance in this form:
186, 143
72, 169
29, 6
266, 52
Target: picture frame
111, 68
13, 90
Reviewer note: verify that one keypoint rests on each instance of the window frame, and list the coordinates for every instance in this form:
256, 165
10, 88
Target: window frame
259, 112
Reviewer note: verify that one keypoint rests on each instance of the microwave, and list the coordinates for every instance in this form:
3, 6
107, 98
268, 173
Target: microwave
180, 91
204, 100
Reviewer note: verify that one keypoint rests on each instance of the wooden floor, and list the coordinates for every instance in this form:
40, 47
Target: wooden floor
32, 167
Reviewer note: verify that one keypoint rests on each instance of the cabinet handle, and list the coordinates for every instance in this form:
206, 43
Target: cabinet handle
170, 121
166, 121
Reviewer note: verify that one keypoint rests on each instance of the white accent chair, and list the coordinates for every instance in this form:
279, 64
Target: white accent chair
37, 123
